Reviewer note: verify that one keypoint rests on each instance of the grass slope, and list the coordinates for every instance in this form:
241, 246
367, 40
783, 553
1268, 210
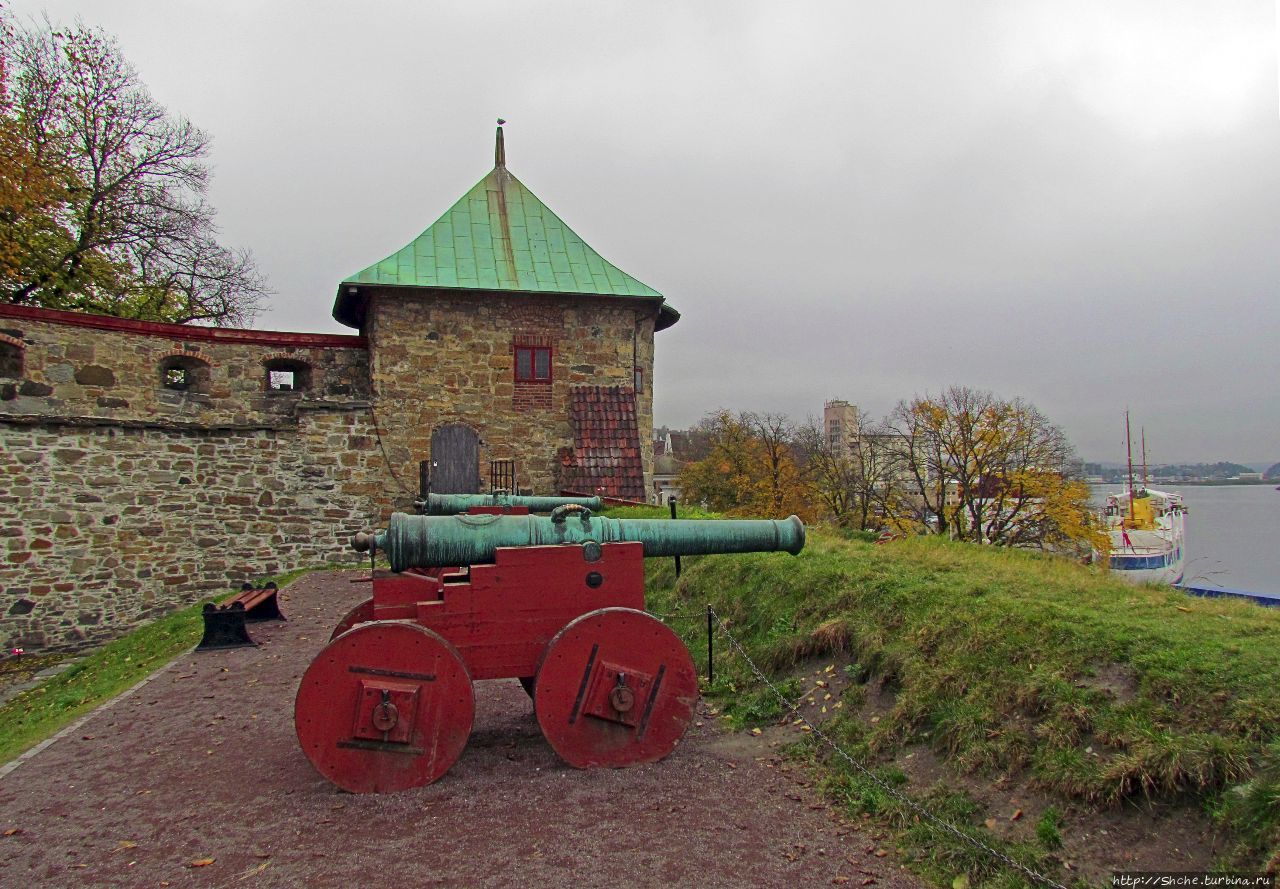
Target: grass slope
1010, 662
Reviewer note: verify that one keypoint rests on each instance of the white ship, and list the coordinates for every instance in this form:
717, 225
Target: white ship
1147, 530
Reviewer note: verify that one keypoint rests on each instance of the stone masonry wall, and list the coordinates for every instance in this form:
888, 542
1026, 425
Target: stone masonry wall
104, 527
443, 358
82, 365
121, 500
122, 497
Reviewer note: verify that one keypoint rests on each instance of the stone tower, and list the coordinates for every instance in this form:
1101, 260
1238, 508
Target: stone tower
505, 351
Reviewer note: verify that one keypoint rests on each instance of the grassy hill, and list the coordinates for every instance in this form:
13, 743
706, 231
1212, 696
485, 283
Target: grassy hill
1041, 705
1014, 667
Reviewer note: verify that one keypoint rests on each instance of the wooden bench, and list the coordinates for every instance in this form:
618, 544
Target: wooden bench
259, 603
224, 626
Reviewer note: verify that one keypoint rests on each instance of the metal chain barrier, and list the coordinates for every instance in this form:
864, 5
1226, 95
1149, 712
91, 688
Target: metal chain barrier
683, 614
383, 448
870, 776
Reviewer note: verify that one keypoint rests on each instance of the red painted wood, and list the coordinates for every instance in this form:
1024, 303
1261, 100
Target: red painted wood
186, 331
362, 613
617, 687
351, 741
501, 616
535, 605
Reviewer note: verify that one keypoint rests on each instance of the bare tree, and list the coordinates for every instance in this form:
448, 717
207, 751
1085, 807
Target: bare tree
854, 477
917, 458
132, 234
828, 472
991, 470
775, 435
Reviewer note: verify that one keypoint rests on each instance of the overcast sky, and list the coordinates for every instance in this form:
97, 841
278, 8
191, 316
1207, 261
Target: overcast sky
1075, 202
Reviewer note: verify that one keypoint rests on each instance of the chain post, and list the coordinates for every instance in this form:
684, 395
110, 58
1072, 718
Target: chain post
672, 503
711, 670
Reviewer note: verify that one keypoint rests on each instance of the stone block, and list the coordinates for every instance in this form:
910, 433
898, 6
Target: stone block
60, 373
95, 375
32, 389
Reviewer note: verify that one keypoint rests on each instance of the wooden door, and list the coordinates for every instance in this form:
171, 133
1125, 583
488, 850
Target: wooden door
455, 460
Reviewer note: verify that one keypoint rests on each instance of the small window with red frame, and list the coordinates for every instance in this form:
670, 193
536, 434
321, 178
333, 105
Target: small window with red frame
533, 364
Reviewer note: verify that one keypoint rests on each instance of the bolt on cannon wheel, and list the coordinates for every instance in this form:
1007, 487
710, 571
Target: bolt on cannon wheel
616, 687
362, 613
384, 707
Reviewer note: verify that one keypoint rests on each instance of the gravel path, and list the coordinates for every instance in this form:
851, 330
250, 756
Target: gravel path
202, 763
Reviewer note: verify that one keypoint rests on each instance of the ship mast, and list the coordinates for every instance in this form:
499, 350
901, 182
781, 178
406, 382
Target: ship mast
1143, 430
1128, 444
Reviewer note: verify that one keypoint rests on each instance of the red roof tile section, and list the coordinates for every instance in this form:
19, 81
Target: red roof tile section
606, 443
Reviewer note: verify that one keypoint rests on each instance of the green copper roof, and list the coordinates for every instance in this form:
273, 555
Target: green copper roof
499, 236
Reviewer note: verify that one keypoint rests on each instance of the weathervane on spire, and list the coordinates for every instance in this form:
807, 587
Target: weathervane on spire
500, 149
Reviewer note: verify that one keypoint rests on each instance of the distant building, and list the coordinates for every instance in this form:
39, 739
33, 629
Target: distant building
666, 479
666, 467
840, 419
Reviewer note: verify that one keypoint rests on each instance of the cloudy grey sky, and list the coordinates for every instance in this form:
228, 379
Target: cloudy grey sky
1074, 202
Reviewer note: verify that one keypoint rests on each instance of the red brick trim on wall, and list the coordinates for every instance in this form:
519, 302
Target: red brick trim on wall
533, 339
180, 352
532, 396
186, 331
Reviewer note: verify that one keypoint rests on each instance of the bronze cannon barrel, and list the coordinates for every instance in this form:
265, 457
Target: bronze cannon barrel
454, 504
419, 541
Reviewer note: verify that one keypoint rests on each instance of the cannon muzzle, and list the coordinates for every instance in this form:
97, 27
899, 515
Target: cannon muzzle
421, 541
455, 504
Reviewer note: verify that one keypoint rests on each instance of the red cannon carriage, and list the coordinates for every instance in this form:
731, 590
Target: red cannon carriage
556, 602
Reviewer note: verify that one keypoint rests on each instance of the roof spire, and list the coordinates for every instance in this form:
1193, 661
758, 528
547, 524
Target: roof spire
500, 149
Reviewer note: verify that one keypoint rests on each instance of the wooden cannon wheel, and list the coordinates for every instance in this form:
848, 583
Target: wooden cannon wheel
616, 687
384, 707
362, 613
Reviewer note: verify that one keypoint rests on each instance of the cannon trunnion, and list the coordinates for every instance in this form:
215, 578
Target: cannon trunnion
555, 602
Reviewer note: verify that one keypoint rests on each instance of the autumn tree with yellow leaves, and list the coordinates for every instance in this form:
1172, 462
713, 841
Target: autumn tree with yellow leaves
964, 463
750, 468
30, 182
991, 470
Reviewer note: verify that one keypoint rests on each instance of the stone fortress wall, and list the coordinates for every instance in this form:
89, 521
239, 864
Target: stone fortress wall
145, 466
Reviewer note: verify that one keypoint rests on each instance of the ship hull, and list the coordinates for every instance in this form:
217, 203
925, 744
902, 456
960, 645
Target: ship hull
1147, 535
1166, 567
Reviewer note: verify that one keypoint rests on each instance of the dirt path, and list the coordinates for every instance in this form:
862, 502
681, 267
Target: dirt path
202, 763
